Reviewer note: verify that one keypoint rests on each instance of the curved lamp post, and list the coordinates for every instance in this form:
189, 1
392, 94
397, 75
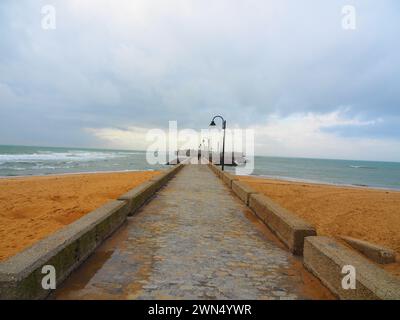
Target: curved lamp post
212, 124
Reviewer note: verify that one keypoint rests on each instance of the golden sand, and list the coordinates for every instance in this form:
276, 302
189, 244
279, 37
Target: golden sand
35, 207
369, 214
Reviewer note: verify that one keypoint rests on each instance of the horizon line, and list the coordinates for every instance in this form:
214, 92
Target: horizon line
255, 155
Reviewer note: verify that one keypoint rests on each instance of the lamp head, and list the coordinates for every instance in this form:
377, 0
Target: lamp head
212, 124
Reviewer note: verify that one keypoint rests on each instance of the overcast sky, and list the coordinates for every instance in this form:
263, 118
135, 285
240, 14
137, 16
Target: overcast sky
111, 70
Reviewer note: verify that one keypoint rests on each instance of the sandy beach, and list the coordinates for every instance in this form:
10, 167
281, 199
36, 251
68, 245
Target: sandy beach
368, 214
32, 208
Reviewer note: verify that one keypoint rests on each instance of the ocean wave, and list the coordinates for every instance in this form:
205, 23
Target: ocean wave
13, 168
129, 152
57, 156
362, 167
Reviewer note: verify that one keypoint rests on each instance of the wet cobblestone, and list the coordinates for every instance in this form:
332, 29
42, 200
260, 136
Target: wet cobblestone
192, 241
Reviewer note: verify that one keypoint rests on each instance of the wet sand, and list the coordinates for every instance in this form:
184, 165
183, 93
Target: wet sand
368, 214
32, 208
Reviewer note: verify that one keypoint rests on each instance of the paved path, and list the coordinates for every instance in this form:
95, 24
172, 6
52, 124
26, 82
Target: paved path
194, 240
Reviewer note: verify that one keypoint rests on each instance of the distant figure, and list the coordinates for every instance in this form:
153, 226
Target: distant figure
198, 155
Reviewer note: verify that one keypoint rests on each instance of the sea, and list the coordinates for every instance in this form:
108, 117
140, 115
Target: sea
29, 161
376, 174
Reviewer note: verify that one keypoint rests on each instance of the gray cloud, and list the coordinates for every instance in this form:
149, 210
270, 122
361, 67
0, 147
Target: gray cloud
142, 63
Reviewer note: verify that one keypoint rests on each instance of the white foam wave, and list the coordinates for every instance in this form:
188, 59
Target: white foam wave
362, 167
58, 156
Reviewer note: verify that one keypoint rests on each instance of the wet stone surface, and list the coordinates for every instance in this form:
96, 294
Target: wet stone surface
192, 241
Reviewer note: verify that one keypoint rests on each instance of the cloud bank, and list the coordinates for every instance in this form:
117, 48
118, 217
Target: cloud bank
286, 68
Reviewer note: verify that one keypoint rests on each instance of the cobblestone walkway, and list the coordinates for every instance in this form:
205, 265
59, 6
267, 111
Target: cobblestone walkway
192, 241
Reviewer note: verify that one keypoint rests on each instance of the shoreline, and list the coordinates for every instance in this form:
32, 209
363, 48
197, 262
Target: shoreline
264, 177
321, 183
76, 173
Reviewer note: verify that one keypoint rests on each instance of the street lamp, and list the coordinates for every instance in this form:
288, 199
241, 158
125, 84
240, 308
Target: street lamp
212, 124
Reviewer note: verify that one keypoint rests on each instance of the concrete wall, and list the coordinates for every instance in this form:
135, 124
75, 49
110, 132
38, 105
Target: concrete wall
66, 249
228, 178
20, 276
374, 252
325, 258
291, 229
218, 172
243, 191
137, 197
